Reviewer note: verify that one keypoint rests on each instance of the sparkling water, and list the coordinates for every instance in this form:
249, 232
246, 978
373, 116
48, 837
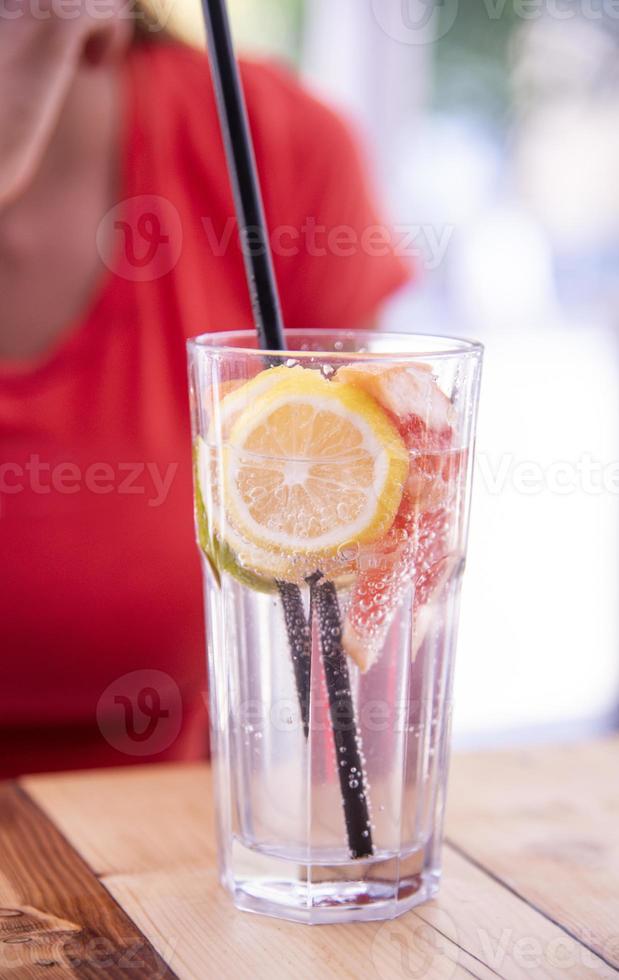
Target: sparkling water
330, 677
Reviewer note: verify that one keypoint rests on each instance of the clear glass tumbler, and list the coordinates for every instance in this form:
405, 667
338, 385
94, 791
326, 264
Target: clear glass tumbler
331, 500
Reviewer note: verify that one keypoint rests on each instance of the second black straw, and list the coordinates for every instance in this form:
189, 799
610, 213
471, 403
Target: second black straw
269, 325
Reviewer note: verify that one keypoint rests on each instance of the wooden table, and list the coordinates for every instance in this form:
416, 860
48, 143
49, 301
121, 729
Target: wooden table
112, 874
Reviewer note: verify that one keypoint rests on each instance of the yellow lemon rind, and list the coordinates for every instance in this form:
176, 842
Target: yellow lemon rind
357, 403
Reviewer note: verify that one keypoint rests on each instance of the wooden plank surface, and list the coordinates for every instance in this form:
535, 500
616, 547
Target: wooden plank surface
140, 818
546, 823
148, 832
56, 919
186, 912
475, 928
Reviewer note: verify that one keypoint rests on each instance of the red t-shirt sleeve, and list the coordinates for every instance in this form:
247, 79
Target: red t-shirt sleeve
334, 254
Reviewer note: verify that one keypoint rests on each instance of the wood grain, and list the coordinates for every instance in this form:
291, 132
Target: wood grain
504, 931
56, 919
186, 915
546, 822
140, 818
475, 928
530, 887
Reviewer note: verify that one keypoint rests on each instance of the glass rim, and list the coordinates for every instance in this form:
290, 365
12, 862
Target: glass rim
220, 343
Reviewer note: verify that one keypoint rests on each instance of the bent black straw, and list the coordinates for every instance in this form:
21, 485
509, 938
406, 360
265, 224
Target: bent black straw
300, 642
269, 325
258, 262
244, 177
341, 706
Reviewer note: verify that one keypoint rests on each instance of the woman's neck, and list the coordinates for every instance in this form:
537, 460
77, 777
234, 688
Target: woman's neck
49, 264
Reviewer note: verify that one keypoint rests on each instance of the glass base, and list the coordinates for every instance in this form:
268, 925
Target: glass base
318, 894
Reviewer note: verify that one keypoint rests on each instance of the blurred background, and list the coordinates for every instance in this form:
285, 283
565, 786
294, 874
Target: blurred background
494, 130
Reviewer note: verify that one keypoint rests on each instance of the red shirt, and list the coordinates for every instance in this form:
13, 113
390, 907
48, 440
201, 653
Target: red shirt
100, 607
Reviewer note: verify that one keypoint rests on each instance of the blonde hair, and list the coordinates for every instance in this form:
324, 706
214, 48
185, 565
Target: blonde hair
169, 20
148, 26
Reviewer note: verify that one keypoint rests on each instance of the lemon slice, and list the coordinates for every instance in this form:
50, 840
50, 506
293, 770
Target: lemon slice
312, 467
237, 395
228, 551
222, 544
225, 547
220, 541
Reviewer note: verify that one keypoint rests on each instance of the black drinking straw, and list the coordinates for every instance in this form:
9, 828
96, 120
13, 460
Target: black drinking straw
342, 709
258, 267
269, 325
300, 643
244, 177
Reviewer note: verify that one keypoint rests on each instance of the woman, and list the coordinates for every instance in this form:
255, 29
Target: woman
118, 242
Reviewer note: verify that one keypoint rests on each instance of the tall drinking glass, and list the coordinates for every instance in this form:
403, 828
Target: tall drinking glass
331, 501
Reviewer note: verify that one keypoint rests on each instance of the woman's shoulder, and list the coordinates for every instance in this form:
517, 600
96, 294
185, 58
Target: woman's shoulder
314, 182
187, 65
281, 109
